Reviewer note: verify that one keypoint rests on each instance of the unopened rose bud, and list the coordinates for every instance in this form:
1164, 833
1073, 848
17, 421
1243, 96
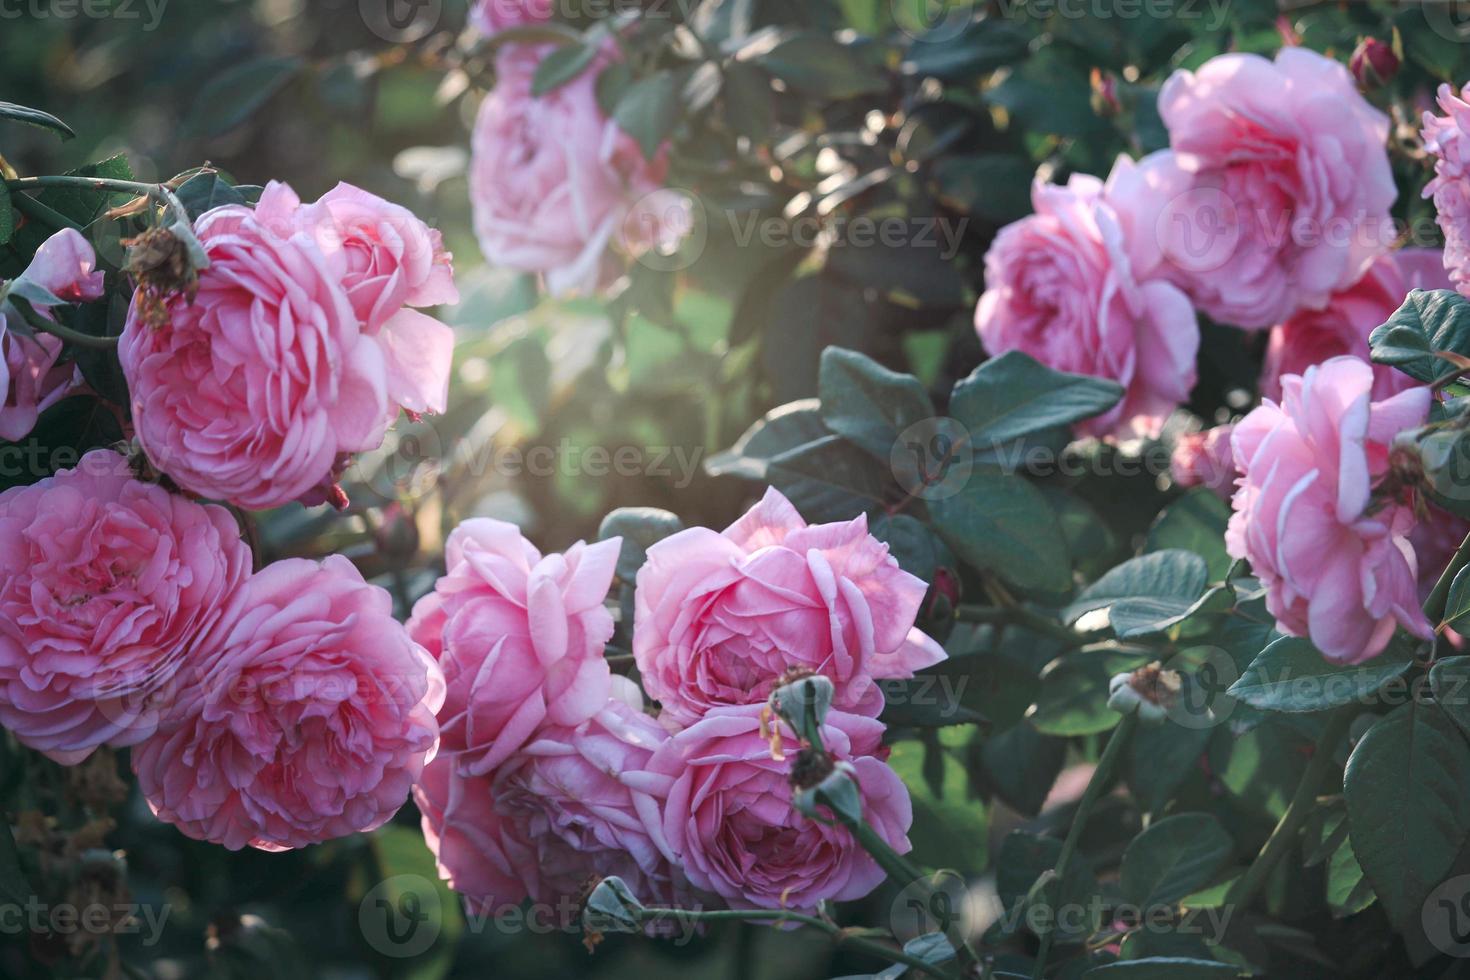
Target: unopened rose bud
396, 534
1150, 691
1373, 63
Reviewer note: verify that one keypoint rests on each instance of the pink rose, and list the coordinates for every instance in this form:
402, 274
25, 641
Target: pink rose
1336, 562
493, 16
520, 637
389, 260
31, 378
107, 584
1447, 138
1287, 184
554, 182
1312, 336
722, 616
251, 392
1204, 459
1074, 286
563, 809
729, 823
310, 720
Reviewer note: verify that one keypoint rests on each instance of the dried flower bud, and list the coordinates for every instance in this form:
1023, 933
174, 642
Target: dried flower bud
161, 263
1151, 691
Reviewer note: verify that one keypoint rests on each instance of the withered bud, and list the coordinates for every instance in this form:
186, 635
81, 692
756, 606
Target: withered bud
1150, 690
160, 261
810, 767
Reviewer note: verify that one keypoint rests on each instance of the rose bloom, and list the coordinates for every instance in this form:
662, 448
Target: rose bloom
493, 16
1337, 565
388, 260
1312, 336
107, 584
252, 391
720, 617
310, 720
1076, 286
729, 823
554, 182
563, 809
31, 377
520, 637
1205, 459
1288, 184
1447, 138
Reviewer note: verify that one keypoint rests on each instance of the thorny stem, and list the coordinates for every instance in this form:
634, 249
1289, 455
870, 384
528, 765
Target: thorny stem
38, 322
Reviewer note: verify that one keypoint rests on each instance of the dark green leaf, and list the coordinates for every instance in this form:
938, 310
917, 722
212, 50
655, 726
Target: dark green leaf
561, 65
1164, 968
1348, 890
866, 403
1146, 594
233, 95
1014, 395
1292, 675
829, 479
205, 192
983, 46
1449, 679
993, 186
1173, 858
783, 429
1161, 758
648, 110
1020, 765
35, 117
750, 106
1001, 523
7, 216
1457, 609
813, 63
1074, 693
910, 542
1408, 811
1024, 857
1427, 322
640, 528
1195, 522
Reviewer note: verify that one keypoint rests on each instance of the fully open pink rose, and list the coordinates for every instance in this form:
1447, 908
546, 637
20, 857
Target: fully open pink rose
1076, 286
560, 811
252, 391
553, 180
722, 616
31, 379
729, 823
1289, 184
520, 637
107, 585
1447, 138
1205, 459
493, 16
1312, 336
310, 720
1336, 563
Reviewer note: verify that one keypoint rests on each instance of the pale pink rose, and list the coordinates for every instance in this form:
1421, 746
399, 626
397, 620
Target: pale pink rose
1204, 459
729, 823
492, 16
520, 637
560, 811
31, 378
252, 391
388, 260
107, 585
1447, 138
1312, 336
1288, 184
554, 182
722, 616
1074, 286
311, 719
1336, 562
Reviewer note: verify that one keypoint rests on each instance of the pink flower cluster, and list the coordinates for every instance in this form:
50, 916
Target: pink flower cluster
274, 709
550, 771
299, 349
1272, 199
555, 183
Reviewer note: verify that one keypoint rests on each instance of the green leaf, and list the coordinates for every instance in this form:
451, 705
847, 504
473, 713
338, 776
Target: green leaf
7, 216
1260, 767
812, 63
232, 96
648, 110
1161, 758
1292, 675
950, 830
783, 429
1014, 395
1408, 811
205, 192
35, 117
1348, 890
1164, 968
1146, 594
640, 528
1195, 522
1173, 858
1449, 679
750, 106
1003, 524
1020, 765
910, 542
1457, 609
829, 479
1024, 857
560, 66
992, 186
1427, 322
866, 403
1074, 693
983, 46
